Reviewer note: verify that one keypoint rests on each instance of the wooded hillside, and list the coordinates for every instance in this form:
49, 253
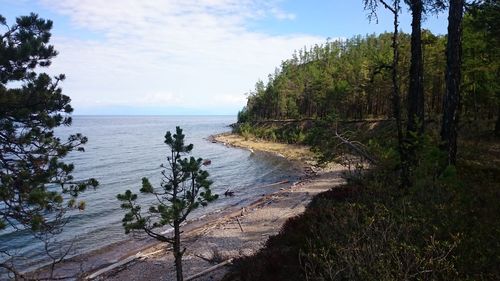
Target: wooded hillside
351, 78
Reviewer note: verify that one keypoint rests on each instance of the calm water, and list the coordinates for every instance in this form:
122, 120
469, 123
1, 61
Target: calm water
121, 150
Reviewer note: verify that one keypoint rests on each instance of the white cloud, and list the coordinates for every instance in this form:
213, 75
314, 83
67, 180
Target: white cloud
281, 15
185, 53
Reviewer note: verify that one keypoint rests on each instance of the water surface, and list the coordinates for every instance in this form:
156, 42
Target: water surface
123, 149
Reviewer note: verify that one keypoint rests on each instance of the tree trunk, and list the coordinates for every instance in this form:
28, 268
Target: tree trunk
415, 98
396, 98
452, 95
177, 222
416, 90
177, 250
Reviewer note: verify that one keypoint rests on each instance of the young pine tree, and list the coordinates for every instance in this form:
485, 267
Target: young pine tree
185, 186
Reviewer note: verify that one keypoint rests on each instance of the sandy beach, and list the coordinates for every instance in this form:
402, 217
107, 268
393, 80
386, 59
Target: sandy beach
217, 237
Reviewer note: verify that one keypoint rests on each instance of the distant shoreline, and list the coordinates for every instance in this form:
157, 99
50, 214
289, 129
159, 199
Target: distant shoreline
153, 115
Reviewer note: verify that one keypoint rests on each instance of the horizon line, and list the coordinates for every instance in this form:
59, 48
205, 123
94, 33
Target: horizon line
152, 115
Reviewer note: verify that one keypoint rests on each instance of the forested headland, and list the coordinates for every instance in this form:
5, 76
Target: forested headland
416, 119
351, 79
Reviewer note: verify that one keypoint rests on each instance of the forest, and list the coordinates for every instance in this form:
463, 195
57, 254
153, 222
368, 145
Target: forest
416, 120
351, 79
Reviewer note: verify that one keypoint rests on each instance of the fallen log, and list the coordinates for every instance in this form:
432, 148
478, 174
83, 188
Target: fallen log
123, 262
208, 270
276, 183
113, 266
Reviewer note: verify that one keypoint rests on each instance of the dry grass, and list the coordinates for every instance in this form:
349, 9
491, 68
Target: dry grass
290, 151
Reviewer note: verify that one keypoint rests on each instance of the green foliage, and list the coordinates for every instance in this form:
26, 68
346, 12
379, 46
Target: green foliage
244, 129
481, 53
185, 187
26, 44
442, 228
291, 132
31, 166
243, 116
339, 76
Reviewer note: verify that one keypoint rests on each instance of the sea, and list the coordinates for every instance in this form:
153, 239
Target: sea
121, 150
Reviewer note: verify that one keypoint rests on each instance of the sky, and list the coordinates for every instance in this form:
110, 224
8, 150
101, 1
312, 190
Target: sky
187, 57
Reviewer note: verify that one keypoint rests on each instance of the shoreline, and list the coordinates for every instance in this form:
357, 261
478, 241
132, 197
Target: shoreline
292, 152
202, 235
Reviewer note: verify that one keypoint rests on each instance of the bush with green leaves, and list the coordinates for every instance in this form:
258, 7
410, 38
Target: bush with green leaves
244, 129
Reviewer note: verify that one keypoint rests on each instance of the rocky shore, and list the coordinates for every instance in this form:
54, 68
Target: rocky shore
222, 236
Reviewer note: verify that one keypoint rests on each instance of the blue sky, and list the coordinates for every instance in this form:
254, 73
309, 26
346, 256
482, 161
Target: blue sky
167, 57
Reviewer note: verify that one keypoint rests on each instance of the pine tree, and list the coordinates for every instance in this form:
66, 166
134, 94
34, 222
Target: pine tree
185, 186
453, 78
33, 178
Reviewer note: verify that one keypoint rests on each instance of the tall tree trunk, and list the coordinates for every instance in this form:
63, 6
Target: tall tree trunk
177, 250
416, 86
396, 97
452, 95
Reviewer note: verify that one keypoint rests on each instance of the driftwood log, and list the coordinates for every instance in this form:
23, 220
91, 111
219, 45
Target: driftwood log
208, 270
120, 263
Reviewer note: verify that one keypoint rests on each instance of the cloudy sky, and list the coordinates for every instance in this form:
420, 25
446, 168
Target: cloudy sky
169, 57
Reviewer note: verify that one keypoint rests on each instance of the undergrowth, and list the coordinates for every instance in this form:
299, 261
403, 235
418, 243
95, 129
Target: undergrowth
286, 133
445, 227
